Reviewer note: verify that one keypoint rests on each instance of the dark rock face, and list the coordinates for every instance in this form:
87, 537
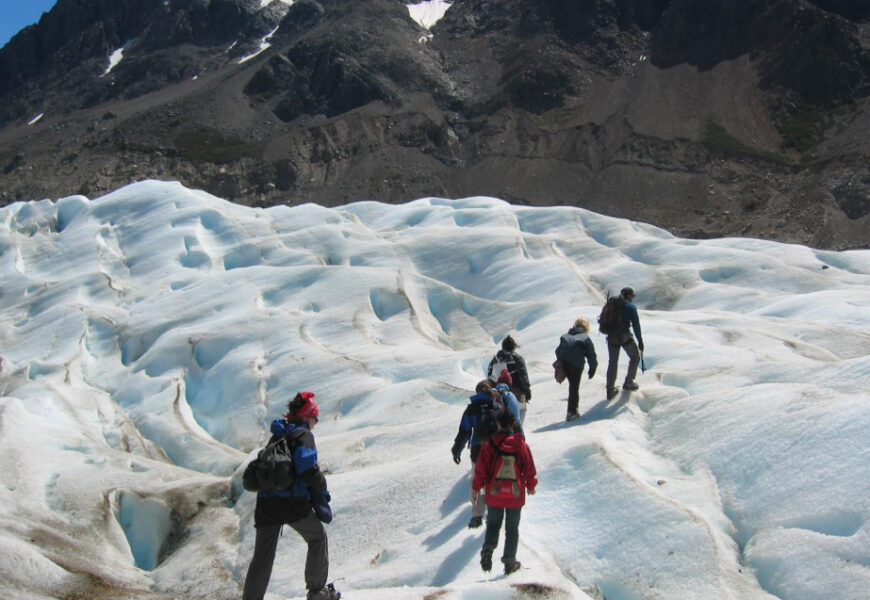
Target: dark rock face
706, 117
807, 51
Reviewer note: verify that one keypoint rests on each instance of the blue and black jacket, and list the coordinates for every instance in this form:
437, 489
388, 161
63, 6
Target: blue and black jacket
287, 506
470, 426
576, 349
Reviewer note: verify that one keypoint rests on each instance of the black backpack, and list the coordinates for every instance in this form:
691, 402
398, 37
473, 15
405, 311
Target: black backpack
272, 469
610, 319
487, 426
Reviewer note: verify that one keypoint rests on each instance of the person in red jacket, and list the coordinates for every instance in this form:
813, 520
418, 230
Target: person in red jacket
505, 470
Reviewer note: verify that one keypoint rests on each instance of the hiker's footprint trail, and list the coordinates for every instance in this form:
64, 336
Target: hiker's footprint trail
658, 503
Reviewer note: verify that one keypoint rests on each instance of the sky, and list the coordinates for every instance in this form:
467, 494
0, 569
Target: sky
15, 15
149, 337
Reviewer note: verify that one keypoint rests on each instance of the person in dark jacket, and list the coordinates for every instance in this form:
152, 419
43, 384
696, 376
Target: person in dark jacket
516, 366
624, 340
471, 432
304, 507
574, 351
505, 470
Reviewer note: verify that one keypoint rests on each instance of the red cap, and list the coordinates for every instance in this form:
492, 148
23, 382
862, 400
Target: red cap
505, 377
309, 409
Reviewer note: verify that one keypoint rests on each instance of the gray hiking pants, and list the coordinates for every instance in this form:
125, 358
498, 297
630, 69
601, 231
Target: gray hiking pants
521, 398
626, 342
316, 562
478, 509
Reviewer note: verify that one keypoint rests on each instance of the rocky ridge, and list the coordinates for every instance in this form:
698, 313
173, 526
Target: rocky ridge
706, 117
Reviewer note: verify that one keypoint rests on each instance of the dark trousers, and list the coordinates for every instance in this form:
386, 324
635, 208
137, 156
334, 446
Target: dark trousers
316, 562
573, 375
511, 518
614, 343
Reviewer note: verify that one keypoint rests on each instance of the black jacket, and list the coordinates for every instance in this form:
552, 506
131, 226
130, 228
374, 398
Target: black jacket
575, 349
516, 367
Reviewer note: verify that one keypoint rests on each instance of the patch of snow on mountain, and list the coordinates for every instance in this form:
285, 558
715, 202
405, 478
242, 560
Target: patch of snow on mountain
429, 12
116, 57
264, 45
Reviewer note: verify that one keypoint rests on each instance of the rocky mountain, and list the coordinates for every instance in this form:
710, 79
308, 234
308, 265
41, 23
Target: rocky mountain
706, 117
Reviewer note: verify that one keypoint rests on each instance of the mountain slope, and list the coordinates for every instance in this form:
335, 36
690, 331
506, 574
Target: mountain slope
723, 117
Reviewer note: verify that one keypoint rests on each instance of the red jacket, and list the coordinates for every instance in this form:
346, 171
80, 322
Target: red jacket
509, 491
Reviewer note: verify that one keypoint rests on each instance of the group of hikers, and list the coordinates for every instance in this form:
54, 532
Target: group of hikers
503, 469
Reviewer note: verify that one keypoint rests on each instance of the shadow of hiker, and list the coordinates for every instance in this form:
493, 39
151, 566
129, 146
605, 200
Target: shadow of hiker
603, 409
457, 501
456, 561
459, 522
459, 494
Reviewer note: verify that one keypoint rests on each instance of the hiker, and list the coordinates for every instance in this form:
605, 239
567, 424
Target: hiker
574, 350
475, 427
507, 397
622, 338
304, 507
505, 470
516, 366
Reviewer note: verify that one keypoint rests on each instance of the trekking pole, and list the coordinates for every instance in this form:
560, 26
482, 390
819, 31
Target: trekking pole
642, 364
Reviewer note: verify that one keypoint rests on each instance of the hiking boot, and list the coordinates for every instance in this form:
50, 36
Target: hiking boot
486, 559
612, 392
512, 566
475, 522
327, 593
630, 386
572, 417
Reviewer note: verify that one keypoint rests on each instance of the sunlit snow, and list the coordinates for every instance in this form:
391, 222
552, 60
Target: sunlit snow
116, 57
36, 119
429, 12
265, 44
148, 337
265, 3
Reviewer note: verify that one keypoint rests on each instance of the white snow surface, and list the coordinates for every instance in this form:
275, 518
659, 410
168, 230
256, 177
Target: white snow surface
265, 3
265, 44
148, 338
116, 57
429, 12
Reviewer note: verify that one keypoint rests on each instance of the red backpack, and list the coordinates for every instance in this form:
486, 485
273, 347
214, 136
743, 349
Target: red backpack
507, 473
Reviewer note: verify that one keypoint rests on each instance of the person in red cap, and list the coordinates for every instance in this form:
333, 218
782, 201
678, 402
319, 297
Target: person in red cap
508, 398
304, 507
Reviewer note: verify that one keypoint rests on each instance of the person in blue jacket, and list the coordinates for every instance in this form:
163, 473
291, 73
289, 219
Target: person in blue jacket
624, 340
509, 399
304, 507
575, 349
472, 432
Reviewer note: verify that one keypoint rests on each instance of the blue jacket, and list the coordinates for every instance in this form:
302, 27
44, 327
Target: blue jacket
630, 318
510, 402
